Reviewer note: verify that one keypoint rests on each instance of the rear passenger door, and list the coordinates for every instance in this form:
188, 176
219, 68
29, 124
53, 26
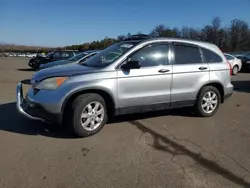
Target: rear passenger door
218, 68
190, 73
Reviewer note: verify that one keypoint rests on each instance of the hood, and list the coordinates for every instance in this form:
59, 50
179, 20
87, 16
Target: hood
55, 63
67, 70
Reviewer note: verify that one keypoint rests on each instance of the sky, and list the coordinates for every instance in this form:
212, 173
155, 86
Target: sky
53, 23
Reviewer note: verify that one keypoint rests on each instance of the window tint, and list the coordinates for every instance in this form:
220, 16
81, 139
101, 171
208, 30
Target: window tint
152, 55
211, 56
185, 54
229, 57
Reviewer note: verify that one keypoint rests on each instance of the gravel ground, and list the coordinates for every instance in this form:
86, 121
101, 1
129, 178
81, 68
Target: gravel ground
163, 149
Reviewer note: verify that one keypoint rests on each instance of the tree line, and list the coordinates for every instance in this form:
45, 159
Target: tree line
234, 37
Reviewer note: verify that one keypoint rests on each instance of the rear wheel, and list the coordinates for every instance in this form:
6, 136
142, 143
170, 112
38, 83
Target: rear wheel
89, 114
208, 101
235, 69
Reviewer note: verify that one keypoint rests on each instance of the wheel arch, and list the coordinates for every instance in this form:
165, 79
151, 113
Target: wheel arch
217, 85
107, 96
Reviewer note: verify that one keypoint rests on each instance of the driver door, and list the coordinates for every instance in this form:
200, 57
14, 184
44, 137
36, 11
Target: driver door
147, 87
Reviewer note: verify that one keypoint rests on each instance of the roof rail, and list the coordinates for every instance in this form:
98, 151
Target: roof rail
138, 37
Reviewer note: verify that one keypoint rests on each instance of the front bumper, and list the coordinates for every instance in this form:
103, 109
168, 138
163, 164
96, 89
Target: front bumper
33, 110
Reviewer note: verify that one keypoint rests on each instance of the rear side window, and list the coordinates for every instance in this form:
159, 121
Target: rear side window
229, 57
185, 54
211, 57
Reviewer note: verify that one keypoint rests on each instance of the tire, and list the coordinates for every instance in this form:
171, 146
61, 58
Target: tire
235, 69
80, 106
200, 101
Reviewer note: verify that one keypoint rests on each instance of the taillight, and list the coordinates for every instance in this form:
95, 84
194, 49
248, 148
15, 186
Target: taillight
230, 67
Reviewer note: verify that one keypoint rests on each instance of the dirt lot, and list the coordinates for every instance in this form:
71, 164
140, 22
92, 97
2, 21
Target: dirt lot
164, 149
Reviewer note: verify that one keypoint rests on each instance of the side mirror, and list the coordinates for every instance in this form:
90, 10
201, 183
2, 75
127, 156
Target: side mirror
131, 65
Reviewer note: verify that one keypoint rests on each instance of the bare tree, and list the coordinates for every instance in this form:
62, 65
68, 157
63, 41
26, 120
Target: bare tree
239, 33
158, 31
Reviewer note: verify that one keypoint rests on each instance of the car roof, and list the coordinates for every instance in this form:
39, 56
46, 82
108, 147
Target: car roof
147, 38
170, 39
203, 44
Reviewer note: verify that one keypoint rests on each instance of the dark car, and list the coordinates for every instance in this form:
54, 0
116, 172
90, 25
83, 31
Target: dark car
245, 59
50, 57
79, 58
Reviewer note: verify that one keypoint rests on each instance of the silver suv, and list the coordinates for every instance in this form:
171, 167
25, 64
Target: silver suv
128, 77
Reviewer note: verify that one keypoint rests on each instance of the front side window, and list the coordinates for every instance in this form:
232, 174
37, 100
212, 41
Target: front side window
185, 54
210, 56
152, 55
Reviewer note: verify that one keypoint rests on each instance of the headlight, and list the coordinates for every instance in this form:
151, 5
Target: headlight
51, 83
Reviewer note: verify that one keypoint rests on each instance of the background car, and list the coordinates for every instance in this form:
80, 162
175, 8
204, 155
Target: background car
79, 58
245, 59
50, 57
235, 63
31, 55
34, 62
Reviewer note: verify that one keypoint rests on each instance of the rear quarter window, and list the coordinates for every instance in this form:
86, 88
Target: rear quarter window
211, 57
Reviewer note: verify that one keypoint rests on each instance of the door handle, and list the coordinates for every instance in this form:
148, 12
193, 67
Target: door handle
202, 68
163, 70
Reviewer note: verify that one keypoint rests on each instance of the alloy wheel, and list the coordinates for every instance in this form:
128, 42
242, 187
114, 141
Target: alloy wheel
209, 102
92, 116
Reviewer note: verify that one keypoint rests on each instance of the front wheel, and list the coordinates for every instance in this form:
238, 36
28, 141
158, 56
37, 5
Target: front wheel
89, 114
208, 101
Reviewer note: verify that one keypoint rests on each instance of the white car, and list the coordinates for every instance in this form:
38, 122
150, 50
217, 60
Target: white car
235, 63
31, 55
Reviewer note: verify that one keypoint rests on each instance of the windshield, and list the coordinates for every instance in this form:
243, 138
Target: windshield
78, 56
110, 54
